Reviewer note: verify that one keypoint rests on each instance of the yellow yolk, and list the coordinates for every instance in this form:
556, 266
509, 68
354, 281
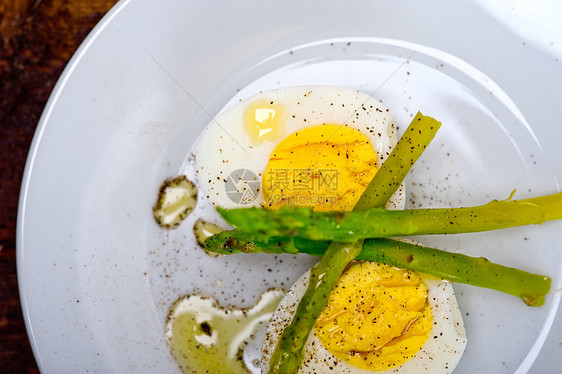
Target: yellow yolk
377, 316
325, 167
264, 121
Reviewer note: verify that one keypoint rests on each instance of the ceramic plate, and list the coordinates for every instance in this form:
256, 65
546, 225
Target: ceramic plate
97, 275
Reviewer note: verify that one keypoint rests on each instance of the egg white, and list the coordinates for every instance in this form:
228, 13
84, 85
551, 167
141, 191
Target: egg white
226, 147
440, 354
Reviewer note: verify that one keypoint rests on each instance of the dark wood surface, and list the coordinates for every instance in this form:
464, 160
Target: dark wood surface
37, 38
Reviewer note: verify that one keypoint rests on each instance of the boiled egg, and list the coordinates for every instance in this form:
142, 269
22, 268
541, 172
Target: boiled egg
378, 318
316, 146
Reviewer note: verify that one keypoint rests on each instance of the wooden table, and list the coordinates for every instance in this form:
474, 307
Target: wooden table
37, 38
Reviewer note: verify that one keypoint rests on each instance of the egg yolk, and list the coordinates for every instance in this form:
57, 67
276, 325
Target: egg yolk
377, 316
325, 167
264, 121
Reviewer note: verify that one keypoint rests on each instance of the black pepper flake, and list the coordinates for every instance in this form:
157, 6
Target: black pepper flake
206, 328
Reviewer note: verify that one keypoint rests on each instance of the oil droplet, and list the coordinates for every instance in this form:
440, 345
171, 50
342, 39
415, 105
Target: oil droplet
176, 199
206, 338
203, 230
264, 120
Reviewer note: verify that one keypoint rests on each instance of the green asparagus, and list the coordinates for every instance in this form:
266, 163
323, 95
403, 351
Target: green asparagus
379, 223
386, 181
455, 267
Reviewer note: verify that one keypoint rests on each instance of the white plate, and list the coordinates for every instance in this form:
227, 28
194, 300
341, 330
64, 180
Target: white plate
97, 275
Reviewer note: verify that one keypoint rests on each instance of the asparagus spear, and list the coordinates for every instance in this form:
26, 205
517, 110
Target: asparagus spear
386, 181
378, 223
288, 353
455, 267
476, 271
324, 275
235, 241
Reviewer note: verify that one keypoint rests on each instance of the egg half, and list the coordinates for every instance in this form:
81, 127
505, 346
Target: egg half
391, 321
315, 146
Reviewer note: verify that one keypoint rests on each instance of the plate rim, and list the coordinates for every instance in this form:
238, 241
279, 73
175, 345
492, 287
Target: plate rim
30, 161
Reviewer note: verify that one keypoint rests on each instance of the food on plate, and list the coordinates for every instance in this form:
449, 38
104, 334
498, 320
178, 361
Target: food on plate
317, 170
320, 140
289, 350
315, 146
379, 223
378, 319
176, 199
